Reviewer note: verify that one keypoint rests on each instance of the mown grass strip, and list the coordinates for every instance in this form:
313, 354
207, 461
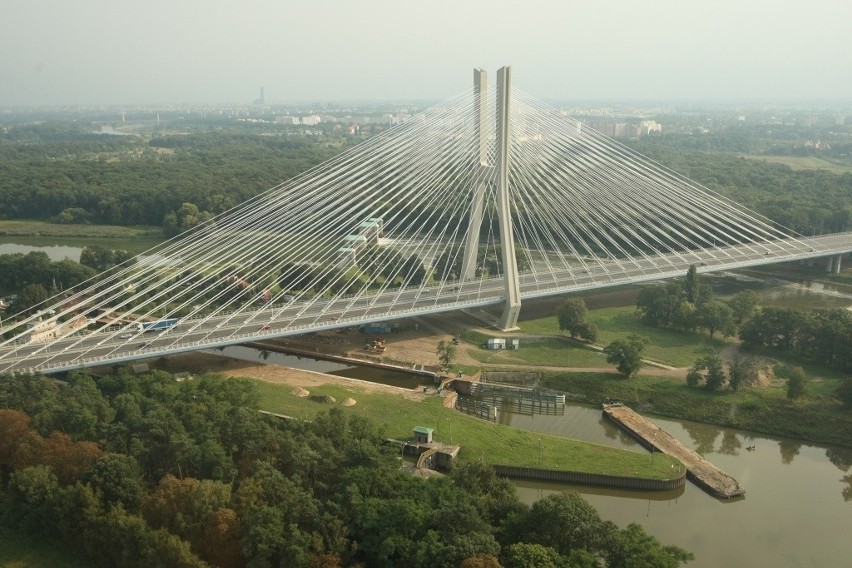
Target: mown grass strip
666, 346
479, 439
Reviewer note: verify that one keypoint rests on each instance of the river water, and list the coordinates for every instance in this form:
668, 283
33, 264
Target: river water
54, 252
794, 512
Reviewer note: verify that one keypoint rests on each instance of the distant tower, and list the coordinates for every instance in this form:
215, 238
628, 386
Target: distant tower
262, 100
158, 118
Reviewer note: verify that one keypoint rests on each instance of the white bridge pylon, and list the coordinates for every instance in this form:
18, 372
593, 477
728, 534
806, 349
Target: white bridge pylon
480, 200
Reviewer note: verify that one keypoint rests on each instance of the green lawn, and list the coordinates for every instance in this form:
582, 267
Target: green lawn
550, 352
478, 438
803, 163
666, 346
18, 550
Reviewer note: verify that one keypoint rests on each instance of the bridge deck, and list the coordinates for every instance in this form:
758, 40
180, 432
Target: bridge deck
702, 472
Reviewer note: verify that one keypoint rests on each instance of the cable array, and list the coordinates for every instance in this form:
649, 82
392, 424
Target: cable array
380, 230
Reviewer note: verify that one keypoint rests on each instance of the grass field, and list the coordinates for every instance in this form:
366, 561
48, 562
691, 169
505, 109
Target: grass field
479, 439
549, 351
666, 346
18, 550
803, 163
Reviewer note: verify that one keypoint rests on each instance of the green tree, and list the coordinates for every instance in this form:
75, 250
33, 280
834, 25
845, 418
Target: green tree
116, 479
716, 315
691, 284
659, 305
742, 371
708, 369
526, 555
626, 355
796, 382
743, 305
634, 548
446, 353
29, 298
572, 318
564, 522
844, 393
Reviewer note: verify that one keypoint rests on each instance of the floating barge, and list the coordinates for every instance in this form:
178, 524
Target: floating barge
699, 470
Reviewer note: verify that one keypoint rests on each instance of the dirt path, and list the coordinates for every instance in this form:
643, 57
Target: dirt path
296, 378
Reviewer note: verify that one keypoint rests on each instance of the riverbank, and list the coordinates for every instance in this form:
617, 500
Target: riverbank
399, 410
816, 418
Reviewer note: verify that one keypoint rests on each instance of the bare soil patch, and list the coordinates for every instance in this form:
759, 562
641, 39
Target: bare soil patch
295, 378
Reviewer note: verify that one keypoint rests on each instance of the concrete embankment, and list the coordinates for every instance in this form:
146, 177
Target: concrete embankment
598, 480
700, 471
432, 376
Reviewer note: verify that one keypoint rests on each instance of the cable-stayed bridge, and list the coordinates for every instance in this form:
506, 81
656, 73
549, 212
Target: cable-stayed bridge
488, 198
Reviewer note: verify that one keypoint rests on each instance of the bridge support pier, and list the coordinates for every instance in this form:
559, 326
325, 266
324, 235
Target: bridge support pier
832, 264
509, 318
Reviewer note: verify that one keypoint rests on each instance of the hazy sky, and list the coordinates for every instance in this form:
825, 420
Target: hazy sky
155, 51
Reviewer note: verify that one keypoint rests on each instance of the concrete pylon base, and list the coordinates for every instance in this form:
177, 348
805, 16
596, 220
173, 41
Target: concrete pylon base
509, 319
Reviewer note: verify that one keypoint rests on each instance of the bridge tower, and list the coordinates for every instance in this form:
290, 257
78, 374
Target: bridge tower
509, 318
498, 174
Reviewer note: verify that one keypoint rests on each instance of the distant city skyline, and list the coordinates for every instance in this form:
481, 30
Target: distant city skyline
93, 52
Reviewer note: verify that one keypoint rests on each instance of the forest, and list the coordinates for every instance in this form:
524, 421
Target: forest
63, 172
153, 470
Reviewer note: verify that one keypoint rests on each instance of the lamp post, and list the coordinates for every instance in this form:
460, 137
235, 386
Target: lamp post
539, 452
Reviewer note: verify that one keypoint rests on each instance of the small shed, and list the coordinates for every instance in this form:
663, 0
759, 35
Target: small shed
423, 435
496, 343
514, 344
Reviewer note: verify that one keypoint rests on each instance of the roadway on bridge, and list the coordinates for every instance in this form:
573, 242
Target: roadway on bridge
116, 346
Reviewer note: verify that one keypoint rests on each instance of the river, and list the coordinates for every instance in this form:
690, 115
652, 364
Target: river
794, 513
54, 252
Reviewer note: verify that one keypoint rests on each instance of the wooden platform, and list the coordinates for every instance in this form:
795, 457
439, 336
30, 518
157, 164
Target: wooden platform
700, 471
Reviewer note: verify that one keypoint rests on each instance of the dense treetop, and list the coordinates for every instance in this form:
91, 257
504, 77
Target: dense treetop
151, 471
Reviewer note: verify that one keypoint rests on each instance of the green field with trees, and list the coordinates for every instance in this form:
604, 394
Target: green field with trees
145, 470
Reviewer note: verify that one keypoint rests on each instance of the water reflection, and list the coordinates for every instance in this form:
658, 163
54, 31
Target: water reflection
789, 450
54, 252
545, 488
796, 511
703, 436
841, 457
730, 443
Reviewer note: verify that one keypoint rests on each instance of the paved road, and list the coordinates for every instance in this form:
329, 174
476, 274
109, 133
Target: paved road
117, 346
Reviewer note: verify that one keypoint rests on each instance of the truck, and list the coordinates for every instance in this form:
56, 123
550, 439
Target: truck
158, 325
376, 328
